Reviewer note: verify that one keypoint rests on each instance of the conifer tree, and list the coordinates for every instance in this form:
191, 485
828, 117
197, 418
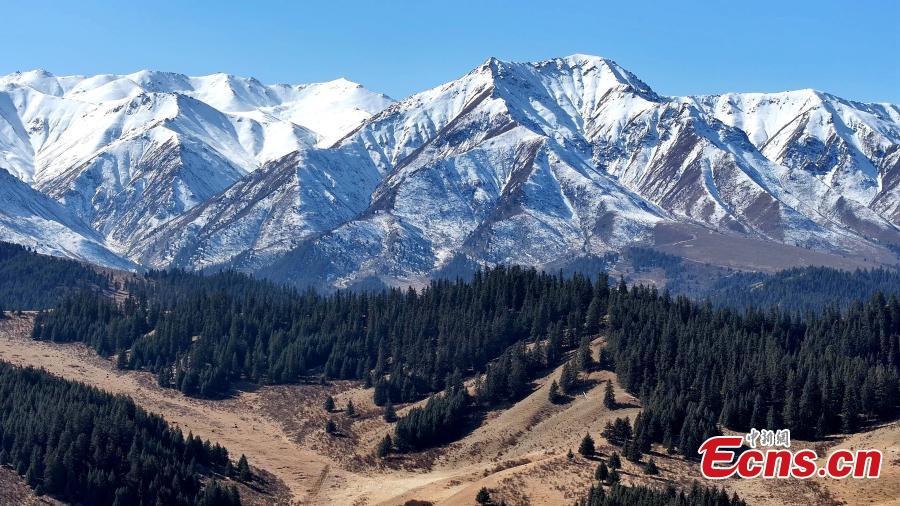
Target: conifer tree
568, 378
593, 315
553, 392
850, 410
140, 459
586, 447
633, 451
602, 472
384, 446
584, 359
329, 404
390, 416
351, 410
604, 359
609, 396
243, 469
122, 360
483, 497
613, 477
614, 461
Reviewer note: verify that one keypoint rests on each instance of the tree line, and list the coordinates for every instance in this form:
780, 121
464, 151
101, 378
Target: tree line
30, 281
695, 367
84, 446
802, 289
620, 495
200, 334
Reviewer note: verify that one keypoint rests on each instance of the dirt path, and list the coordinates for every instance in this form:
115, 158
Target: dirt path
237, 423
313, 495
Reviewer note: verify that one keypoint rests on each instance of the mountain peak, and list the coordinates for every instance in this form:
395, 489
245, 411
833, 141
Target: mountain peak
582, 58
40, 73
343, 81
603, 73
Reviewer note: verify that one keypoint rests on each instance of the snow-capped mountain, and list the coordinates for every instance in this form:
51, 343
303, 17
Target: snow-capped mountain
851, 146
127, 153
30, 218
528, 163
531, 163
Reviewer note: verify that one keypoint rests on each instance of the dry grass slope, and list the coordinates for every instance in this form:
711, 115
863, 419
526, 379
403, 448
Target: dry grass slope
518, 452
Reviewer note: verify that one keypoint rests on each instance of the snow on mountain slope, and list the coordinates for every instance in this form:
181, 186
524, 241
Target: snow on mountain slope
31, 218
129, 166
459, 168
703, 171
850, 146
266, 213
126, 153
330, 109
533, 163
537, 162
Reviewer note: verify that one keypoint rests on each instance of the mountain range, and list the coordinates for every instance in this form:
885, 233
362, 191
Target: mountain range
544, 163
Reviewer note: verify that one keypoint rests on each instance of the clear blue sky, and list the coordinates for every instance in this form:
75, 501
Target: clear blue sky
848, 48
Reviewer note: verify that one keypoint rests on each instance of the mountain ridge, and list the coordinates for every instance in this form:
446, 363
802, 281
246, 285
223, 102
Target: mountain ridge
513, 162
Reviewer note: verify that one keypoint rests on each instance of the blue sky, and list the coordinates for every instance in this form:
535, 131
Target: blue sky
851, 49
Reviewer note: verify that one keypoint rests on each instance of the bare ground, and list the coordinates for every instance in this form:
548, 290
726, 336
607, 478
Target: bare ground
519, 453
699, 244
14, 490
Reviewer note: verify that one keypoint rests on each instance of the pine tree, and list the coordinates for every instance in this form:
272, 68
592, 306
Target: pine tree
593, 315
243, 468
613, 477
757, 417
772, 418
605, 360
390, 416
641, 433
329, 404
651, 468
850, 410
385, 446
568, 378
584, 359
553, 392
122, 360
633, 451
614, 461
350, 411
602, 472
570, 455
609, 396
821, 426
35, 472
586, 447
668, 441
330, 427
483, 497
